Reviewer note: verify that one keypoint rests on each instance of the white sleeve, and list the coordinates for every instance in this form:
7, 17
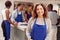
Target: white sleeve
13, 16
49, 30
28, 29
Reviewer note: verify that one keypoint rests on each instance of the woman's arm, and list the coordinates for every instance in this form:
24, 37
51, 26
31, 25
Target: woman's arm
25, 15
58, 21
49, 30
13, 16
29, 29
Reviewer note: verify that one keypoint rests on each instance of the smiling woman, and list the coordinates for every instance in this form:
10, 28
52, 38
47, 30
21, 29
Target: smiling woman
39, 24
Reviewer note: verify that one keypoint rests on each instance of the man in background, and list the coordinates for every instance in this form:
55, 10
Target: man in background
53, 16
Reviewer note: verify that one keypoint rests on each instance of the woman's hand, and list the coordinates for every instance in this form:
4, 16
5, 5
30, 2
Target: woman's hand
30, 39
15, 24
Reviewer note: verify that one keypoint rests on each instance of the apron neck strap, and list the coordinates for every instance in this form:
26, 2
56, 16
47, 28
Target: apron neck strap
18, 12
43, 19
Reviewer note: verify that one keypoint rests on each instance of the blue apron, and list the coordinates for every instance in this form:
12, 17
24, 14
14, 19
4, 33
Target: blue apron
28, 16
19, 17
38, 32
7, 27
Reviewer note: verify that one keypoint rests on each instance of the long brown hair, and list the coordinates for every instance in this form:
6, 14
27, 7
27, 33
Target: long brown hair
45, 11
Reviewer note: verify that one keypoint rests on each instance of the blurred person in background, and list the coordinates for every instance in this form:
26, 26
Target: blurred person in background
28, 12
53, 16
58, 28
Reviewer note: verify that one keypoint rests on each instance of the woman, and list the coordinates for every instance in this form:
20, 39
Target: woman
39, 26
17, 15
28, 12
6, 20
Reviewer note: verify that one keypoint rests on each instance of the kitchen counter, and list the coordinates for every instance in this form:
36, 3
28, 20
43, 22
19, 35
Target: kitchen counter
19, 32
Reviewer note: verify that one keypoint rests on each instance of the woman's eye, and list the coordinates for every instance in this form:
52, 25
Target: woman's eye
37, 9
40, 8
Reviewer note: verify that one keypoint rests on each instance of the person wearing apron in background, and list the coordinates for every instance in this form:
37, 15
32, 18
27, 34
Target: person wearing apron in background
17, 15
28, 12
53, 16
39, 26
6, 20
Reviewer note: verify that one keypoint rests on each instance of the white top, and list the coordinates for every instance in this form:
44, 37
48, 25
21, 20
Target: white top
53, 16
40, 21
4, 14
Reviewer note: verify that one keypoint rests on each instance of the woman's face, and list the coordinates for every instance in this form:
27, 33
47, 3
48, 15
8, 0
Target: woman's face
40, 10
30, 8
20, 7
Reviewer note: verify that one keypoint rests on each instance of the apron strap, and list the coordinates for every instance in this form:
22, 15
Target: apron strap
44, 21
17, 12
35, 20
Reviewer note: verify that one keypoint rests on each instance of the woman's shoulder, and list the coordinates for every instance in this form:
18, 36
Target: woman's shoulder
14, 11
31, 19
48, 20
6, 9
